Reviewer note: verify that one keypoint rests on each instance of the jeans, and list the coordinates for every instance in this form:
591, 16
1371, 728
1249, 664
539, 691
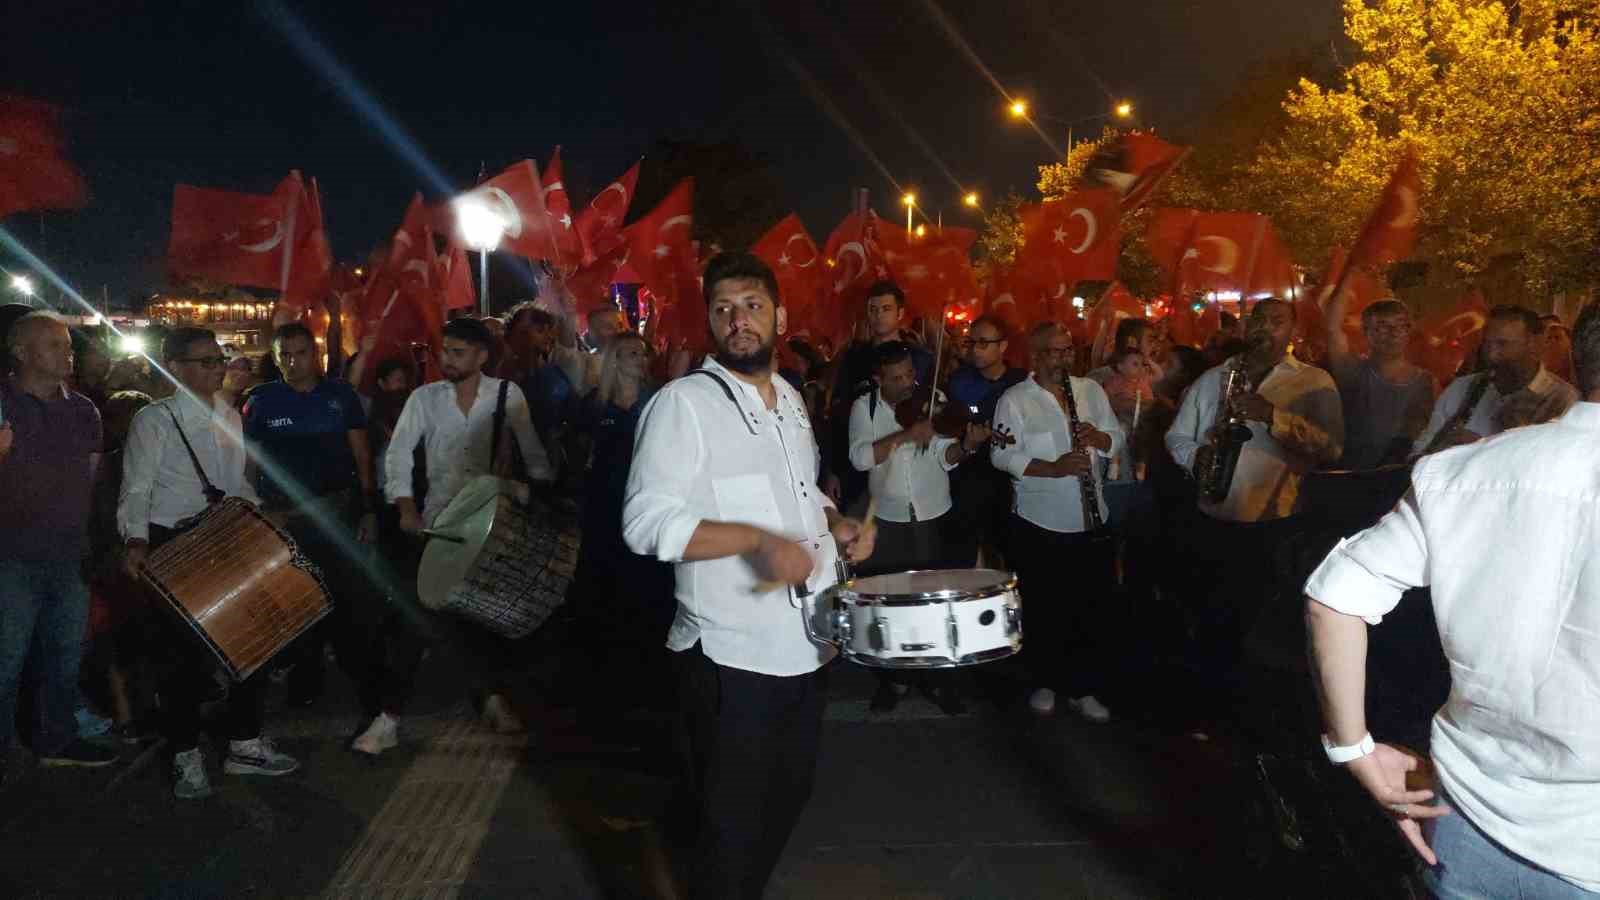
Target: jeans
1472, 865
44, 609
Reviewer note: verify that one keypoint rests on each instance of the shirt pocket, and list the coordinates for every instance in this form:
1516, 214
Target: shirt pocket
748, 500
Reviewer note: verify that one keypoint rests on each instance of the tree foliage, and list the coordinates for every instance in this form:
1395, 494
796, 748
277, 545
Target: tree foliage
1502, 105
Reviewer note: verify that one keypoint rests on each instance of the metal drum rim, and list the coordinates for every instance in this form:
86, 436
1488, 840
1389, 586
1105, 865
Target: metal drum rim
931, 662
848, 594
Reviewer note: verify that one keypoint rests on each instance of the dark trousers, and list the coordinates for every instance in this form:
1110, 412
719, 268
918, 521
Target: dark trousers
1069, 628
186, 681
752, 754
43, 610
1235, 568
902, 547
982, 497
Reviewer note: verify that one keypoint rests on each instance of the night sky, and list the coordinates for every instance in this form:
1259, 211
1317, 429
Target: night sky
217, 94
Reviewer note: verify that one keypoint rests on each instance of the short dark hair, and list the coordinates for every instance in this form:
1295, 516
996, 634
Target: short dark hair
1385, 307
528, 309
891, 353
1270, 301
880, 288
472, 331
1227, 319
289, 330
176, 344
993, 321
1507, 312
732, 265
1586, 351
1130, 330
390, 366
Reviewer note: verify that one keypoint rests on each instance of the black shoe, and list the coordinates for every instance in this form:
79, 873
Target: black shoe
80, 753
885, 698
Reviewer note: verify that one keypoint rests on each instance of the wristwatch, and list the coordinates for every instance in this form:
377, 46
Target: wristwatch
1341, 755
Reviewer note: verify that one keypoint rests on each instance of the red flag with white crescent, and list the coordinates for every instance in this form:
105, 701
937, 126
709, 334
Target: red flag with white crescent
599, 225
453, 275
799, 268
34, 170
934, 272
1135, 166
1077, 238
517, 197
855, 262
401, 301
1391, 231
558, 207
661, 249
1232, 252
230, 237
1442, 340
309, 267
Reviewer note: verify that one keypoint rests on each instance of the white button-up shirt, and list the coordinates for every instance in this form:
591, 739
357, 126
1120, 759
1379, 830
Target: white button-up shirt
911, 484
458, 447
1307, 431
701, 456
1031, 413
159, 483
1505, 532
1545, 398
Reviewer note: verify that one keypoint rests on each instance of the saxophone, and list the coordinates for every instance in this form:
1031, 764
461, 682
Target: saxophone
1227, 438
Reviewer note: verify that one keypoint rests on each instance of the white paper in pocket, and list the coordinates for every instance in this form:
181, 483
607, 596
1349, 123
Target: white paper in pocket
748, 500
1041, 445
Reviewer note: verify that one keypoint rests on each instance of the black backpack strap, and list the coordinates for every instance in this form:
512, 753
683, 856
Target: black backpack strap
872, 406
213, 495
499, 423
726, 390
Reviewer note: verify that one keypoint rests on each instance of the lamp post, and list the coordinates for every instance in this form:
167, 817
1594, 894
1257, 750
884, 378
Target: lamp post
1019, 109
910, 200
481, 230
23, 285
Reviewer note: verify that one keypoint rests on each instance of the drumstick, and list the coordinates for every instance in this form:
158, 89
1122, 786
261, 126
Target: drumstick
868, 527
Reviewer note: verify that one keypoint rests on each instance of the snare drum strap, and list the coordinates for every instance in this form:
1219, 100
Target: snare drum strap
213, 495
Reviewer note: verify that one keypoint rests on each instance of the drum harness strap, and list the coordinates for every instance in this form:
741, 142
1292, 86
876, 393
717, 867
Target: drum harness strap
213, 493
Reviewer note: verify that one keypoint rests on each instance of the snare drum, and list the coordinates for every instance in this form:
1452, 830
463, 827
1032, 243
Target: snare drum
933, 619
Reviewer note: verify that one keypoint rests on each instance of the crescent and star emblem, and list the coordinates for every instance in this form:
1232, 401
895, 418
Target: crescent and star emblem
846, 274
272, 241
1407, 216
506, 208
1227, 254
1089, 229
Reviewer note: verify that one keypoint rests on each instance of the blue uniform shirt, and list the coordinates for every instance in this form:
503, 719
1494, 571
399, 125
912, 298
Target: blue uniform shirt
303, 438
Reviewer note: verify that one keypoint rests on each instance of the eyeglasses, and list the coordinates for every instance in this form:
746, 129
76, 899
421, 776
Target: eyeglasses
206, 362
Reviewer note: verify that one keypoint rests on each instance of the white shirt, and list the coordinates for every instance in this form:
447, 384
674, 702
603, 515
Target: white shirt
1505, 532
1307, 431
911, 484
457, 447
1039, 423
699, 456
1546, 397
159, 483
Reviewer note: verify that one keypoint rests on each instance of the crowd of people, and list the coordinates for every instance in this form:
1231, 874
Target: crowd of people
718, 497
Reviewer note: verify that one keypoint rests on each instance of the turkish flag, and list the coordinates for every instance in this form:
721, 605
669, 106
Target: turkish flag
401, 303
1446, 338
661, 249
1391, 230
934, 273
452, 273
309, 268
34, 170
1225, 251
231, 237
599, 225
1310, 310
517, 196
590, 285
558, 207
1135, 166
1115, 305
797, 263
1076, 238
855, 261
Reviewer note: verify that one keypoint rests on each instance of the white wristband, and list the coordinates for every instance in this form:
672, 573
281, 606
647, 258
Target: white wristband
1341, 755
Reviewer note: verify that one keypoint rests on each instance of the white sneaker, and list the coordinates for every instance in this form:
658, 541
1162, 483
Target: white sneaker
381, 735
1090, 708
1042, 701
189, 775
257, 756
497, 715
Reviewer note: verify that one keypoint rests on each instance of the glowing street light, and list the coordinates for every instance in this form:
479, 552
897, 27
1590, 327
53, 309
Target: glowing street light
23, 285
1019, 109
1124, 109
910, 200
971, 199
481, 229
922, 230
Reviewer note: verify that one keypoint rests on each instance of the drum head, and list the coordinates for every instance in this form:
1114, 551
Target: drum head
931, 585
445, 563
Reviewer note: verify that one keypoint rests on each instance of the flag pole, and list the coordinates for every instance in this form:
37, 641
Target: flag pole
483, 283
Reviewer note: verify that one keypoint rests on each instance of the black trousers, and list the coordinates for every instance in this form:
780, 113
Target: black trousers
752, 757
982, 497
185, 681
1069, 607
1235, 568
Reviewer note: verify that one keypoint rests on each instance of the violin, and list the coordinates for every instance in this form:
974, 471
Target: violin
949, 419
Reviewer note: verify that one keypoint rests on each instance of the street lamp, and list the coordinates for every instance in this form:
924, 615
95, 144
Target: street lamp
1019, 109
481, 229
23, 285
1124, 109
910, 200
971, 199
922, 230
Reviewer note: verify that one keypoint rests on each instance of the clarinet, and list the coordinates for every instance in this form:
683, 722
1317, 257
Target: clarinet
1088, 490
